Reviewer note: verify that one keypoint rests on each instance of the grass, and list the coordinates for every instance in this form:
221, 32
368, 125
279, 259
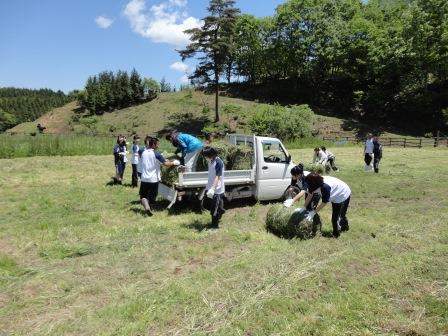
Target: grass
78, 258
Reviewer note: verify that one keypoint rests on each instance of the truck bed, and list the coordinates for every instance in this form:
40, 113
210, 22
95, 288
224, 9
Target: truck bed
231, 177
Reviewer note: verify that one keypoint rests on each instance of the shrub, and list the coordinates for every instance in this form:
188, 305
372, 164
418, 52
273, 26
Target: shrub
286, 123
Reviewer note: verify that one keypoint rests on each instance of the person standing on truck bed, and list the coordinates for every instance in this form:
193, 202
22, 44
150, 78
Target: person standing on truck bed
215, 185
150, 162
189, 146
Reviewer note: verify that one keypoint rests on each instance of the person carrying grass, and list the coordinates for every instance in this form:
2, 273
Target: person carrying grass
215, 185
189, 146
150, 162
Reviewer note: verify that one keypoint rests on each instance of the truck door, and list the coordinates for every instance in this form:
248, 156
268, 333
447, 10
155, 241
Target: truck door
273, 170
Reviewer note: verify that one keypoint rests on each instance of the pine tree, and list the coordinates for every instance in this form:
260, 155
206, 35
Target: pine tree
136, 87
214, 41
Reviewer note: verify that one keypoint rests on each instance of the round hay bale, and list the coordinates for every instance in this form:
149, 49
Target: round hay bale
288, 223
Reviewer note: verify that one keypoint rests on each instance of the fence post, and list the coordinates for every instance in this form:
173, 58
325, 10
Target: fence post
404, 143
436, 139
420, 145
390, 142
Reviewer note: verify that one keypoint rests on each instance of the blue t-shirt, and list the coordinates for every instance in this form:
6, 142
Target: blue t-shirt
188, 143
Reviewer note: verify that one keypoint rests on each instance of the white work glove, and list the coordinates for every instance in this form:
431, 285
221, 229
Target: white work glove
122, 153
210, 193
288, 202
299, 210
310, 215
179, 155
176, 162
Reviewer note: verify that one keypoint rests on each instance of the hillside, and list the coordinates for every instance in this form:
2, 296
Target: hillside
192, 109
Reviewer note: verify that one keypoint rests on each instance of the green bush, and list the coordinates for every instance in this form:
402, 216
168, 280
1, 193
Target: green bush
286, 123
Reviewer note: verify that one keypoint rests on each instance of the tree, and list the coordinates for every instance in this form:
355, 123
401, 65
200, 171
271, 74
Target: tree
164, 85
136, 87
214, 42
151, 88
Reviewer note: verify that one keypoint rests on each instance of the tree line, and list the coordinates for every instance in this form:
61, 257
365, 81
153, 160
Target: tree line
20, 105
384, 60
108, 91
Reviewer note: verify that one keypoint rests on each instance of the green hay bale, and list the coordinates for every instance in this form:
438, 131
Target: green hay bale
234, 157
169, 175
286, 223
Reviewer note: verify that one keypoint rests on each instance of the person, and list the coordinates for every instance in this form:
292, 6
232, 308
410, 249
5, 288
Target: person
320, 157
150, 163
331, 190
134, 160
41, 128
331, 158
215, 186
368, 153
377, 154
299, 185
209, 137
120, 158
189, 146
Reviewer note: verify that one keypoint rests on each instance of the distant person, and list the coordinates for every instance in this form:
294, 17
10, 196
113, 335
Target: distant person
189, 146
151, 161
120, 158
299, 186
331, 158
320, 157
209, 137
332, 190
215, 185
377, 154
368, 153
41, 128
134, 160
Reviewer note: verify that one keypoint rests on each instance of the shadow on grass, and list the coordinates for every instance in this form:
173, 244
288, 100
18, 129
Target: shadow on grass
198, 225
114, 182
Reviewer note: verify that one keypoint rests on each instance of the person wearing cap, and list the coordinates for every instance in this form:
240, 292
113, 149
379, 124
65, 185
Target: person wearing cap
299, 185
368, 153
189, 146
150, 162
134, 160
334, 191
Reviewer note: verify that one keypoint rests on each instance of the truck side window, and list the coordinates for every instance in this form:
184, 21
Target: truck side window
273, 152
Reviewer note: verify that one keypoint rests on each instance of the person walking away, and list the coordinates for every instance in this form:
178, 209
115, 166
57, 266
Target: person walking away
332, 190
299, 185
368, 153
331, 158
151, 161
189, 146
134, 160
120, 158
377, 154
215, 185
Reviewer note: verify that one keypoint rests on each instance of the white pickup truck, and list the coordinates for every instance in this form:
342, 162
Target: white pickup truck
266, 180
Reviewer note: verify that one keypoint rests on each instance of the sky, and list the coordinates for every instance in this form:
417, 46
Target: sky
58, 44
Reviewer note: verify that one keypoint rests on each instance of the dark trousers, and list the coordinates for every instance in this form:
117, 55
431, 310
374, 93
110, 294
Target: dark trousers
368, 158
332, 162
376, 164
339, 216
120, 167
134, 175
149, 191
217, 209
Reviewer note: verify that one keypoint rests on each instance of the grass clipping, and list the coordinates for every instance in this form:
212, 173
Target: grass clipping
286, 223
234, 157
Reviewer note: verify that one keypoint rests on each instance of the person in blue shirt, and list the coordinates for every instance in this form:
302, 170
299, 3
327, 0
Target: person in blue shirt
189, 146
215, 185
299, 188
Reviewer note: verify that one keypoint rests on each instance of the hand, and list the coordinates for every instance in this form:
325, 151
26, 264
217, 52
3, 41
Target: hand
179, 155
310, 215
299, 210
210, 193
288, 202
176, 163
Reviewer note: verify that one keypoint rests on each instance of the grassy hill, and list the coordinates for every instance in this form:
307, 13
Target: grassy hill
154, 116
78, 258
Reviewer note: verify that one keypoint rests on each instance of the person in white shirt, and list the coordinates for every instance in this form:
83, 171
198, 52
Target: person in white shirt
299, 188
120, 158
134, 160
320, 157
368, 153
150, 163
215, 185
331, 190
331, 158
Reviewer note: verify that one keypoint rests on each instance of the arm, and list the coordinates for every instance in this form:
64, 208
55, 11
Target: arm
219, 169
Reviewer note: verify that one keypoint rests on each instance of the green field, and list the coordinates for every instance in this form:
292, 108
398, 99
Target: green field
78, 258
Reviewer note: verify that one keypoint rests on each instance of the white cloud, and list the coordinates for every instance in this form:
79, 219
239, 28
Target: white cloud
180, 66
103, 22
163, 23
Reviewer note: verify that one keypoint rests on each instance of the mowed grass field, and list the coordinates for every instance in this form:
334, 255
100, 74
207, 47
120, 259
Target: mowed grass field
78, 258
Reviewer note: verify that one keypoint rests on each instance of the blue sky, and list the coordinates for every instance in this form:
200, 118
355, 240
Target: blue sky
57, 44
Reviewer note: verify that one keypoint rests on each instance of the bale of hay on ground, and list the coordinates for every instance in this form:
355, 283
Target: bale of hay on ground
288, 223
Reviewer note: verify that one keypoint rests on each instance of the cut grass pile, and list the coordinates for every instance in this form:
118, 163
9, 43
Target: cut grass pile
77, 257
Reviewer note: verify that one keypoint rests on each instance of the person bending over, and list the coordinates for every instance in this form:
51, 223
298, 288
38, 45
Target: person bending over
189, 146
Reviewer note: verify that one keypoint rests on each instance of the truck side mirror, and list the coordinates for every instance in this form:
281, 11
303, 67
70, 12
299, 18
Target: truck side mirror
288, 159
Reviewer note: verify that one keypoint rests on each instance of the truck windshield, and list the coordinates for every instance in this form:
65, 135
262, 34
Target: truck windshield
273, 152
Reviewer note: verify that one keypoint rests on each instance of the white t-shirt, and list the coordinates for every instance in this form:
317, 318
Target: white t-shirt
150, 163
216, 168
369, 146
337, 192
